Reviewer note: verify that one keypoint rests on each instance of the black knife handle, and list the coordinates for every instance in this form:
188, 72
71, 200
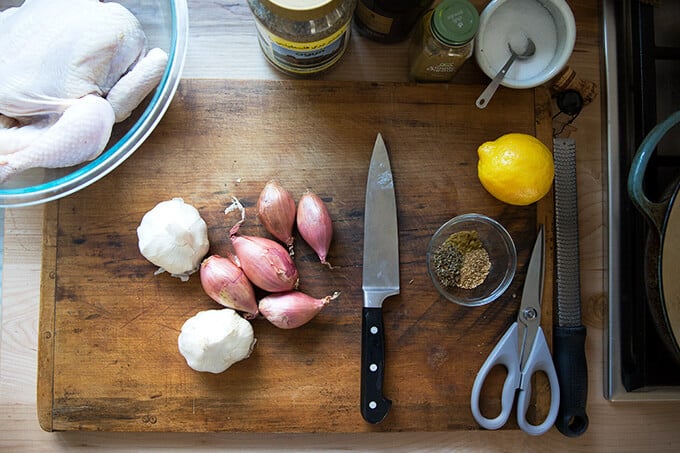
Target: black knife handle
572, 374
374, 406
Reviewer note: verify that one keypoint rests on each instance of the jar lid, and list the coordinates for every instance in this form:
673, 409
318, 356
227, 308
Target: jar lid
301, 10
455, 22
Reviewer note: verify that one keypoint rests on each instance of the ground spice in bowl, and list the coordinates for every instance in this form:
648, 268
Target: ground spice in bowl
461, 261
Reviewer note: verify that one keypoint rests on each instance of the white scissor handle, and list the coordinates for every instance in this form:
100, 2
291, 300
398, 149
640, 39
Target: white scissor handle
505, 353
539, 360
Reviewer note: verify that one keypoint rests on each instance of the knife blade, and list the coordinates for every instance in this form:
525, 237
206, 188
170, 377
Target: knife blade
569, 334
380, 279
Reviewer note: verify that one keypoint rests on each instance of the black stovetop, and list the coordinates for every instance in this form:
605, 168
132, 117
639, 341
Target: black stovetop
648, 56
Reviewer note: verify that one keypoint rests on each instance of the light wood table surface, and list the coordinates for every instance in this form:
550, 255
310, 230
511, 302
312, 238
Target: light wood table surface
223, 45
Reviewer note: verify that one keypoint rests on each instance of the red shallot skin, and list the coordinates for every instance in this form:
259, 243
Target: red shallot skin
292, 309
265, 262
276, 210
227, 284
314, 224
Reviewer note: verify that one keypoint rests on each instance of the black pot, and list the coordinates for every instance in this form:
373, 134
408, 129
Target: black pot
662, 254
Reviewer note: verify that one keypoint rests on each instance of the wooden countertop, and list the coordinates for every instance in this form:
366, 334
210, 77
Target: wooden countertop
223, 45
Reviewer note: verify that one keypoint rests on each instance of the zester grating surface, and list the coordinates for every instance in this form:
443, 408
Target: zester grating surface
566, 234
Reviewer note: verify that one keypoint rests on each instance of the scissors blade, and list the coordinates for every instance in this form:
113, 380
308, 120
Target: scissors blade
529, 318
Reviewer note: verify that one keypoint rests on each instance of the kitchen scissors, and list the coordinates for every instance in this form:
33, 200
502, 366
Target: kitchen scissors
523, 351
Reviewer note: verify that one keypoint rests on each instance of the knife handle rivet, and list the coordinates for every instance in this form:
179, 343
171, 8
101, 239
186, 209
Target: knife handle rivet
372, 405
373, 367
374, 330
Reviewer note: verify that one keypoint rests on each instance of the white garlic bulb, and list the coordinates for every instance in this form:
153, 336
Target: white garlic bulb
174, 237
213, 340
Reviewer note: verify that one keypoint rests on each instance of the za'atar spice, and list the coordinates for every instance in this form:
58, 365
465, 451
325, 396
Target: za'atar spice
461, 261
474, 268
443, 41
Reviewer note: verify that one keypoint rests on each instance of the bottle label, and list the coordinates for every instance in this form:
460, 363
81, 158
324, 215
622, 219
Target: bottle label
373, 20
303, 57
442, 68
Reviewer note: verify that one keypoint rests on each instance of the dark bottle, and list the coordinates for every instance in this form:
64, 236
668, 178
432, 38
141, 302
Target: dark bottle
388, 21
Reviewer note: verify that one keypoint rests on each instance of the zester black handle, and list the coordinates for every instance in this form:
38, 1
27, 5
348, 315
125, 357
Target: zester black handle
374, 406
572, 374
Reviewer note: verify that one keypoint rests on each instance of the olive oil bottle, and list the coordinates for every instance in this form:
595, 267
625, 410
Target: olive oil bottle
388, 21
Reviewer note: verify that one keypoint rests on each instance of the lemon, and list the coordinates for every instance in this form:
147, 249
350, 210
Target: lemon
516, 168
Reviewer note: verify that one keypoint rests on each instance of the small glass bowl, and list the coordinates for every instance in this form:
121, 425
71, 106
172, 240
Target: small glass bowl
502, 255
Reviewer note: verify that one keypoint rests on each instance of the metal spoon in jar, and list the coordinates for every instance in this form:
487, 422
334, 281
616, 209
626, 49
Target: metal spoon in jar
528, 50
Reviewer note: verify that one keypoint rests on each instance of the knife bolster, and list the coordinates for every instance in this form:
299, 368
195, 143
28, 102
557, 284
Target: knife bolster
375, 298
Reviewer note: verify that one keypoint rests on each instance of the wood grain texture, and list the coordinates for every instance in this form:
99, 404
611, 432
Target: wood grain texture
110, 356
223, 45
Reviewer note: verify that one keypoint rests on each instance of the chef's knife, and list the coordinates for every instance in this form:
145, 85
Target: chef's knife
569, 335
380, 279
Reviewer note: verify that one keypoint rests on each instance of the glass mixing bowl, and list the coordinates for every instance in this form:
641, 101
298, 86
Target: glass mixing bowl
166, 25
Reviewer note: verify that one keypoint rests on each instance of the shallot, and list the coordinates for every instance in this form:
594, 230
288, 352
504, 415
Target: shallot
227, 284
292, 309
276, 210
265, 262
314, 224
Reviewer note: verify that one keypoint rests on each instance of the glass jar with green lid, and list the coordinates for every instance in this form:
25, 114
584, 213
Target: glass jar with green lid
303, 37
443, 41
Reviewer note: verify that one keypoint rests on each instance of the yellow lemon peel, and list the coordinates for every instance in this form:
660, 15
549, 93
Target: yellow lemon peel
516, 168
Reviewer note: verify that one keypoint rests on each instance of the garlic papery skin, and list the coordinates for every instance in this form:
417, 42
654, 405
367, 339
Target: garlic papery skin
292, 309
265, 262
314, 224
227, 284
276, 211
174, 237
213, 340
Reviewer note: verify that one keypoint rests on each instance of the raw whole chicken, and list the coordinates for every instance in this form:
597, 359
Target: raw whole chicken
69, 70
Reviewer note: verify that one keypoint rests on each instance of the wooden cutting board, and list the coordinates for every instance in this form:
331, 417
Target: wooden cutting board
108, 357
